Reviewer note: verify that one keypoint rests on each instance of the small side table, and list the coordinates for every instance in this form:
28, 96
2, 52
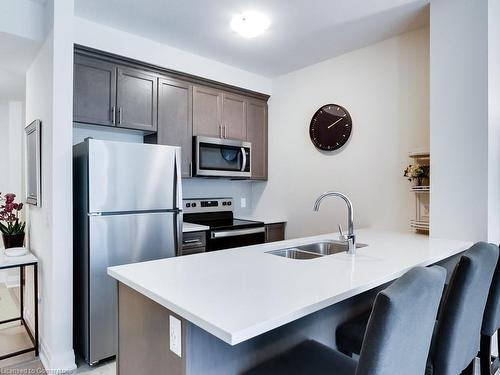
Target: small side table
22, 262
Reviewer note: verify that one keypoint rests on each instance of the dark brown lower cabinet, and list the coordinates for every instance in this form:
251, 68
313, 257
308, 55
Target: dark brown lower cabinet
194, 242
275, 232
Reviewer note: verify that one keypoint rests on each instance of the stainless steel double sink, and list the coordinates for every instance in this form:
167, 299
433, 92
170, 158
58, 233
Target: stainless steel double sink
313, 250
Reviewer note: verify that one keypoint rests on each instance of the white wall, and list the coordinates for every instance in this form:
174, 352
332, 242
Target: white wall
385, 88
16, 148
105, 38
494, 121
11, 145
464, 126
4, 132
24, 18
49, 98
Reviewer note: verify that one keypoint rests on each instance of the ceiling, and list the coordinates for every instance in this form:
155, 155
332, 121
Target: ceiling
302, 32
17, 55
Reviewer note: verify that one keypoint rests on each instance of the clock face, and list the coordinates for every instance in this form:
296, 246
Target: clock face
330, 127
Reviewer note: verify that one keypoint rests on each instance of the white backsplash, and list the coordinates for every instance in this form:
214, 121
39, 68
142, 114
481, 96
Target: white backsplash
220, 188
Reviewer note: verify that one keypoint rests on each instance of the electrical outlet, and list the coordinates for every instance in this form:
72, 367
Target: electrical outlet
243, 202
175, 336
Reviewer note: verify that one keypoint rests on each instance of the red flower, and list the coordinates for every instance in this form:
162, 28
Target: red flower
9, 207
9, 198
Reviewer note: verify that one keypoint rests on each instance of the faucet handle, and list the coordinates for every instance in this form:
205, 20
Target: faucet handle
342, 235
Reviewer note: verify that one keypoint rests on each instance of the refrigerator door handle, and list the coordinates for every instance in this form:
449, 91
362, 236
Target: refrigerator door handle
178, 199
178, 180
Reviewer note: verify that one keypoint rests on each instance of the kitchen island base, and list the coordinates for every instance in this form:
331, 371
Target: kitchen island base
144, 340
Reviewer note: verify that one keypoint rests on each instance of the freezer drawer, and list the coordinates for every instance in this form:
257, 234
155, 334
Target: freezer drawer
132, 177
116, 240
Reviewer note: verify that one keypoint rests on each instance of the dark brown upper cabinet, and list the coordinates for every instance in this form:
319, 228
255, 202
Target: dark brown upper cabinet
207, 112
169, 107
137, 99
94, 96
219, 114
175, 121
256, 111
234, 120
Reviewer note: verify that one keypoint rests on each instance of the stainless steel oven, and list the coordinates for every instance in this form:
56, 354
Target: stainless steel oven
225, 231
216, 157
220, 239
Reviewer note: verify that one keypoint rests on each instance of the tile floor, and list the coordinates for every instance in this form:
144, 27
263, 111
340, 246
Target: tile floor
13, 337
36, 367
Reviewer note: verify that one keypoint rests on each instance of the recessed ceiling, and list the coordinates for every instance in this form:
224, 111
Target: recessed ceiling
17, 55
301, 32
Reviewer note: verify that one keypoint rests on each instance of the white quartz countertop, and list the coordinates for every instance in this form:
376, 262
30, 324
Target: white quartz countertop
190, 227
240, 293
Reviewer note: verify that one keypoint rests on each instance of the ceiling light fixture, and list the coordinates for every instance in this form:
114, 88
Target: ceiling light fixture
250, 24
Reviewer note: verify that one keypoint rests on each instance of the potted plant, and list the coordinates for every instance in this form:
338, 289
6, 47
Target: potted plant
12, 229
416, 172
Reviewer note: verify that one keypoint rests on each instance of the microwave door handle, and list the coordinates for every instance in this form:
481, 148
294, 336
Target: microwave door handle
244, 163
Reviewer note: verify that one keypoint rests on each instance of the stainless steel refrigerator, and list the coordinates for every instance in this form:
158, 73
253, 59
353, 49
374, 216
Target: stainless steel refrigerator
127, 201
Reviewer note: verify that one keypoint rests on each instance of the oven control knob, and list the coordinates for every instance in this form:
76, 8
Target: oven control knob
224, 203
188, 204
228, 203
193, 205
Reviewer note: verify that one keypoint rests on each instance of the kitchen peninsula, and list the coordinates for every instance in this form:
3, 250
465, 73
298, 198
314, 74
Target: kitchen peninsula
225, 311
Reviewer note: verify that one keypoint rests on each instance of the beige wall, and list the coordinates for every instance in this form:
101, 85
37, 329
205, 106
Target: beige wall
385, 87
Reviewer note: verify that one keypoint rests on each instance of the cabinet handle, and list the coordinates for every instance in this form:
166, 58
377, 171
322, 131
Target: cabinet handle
119, 115
113, 115
220, 131
191, 169
225, 131
189, 242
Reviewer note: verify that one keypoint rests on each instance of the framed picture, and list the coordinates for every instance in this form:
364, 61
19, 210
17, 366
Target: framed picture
34, 163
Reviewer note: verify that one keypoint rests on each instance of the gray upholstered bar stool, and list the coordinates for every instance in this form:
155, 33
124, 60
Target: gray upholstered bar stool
397, 338
491, 324
456, 337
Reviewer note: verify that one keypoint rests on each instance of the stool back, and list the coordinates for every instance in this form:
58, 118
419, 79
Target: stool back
491, 318
399, 332
456, 341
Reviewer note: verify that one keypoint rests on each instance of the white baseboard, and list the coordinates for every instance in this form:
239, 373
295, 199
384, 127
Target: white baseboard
59, 363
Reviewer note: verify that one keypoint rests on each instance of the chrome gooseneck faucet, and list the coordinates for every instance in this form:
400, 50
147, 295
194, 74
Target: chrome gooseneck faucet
350, 238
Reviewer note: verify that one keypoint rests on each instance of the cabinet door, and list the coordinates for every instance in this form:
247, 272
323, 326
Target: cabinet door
94, 91
234, 116
275, 232
137, 99
257, 134
207, 111
175, 122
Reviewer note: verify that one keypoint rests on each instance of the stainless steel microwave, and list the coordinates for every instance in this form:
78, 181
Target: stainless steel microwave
215, 157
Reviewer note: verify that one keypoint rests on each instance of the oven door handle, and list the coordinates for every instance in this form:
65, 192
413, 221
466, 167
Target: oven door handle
237, 232
244, 163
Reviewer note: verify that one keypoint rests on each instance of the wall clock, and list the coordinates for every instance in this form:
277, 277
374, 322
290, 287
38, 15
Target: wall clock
330, 127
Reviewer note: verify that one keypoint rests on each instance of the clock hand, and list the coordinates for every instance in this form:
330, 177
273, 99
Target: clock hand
335, 122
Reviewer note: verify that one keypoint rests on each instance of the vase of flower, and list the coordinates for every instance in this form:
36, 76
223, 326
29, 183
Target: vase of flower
11, 227
13, 240
417, 173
